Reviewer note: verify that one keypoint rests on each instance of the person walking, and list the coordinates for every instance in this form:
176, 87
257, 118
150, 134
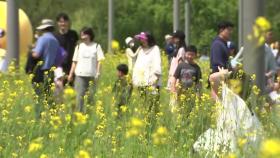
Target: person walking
86, 67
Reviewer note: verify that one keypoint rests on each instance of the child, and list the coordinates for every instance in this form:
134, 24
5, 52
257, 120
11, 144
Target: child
122, 87
188, 73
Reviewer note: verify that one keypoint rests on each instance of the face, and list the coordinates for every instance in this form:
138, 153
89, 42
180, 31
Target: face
176, 40
131, 44
190, 56
144, 43
119, 73
226, 33
84, 37
63, 24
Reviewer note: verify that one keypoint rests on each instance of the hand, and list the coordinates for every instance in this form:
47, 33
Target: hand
70, 78
224, 72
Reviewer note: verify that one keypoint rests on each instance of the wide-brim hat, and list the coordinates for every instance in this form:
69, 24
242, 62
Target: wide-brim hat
128, 40
45, 23
142, 36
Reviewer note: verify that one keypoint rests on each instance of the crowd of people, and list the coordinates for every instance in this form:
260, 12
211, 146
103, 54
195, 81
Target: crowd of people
64, 57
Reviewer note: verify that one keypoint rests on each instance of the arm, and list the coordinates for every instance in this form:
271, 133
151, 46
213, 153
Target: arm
174, 79
100, 57
39, 48
74, 64
71, 73
157, 64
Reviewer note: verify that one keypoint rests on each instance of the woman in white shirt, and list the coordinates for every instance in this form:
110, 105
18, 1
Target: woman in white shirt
86, 66
147, 69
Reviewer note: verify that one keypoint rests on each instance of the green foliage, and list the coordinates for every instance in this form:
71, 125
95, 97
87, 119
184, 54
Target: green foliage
133, 16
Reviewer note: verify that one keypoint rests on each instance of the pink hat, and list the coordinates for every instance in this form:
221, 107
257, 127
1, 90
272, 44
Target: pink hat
141, 36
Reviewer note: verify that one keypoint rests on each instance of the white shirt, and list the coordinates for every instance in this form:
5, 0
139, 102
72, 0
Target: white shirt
86, 57
147, 66
131, 57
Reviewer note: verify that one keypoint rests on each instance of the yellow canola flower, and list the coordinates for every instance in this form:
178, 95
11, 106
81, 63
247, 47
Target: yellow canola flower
83, 154
270, 148
55, 121
162, 131
27, 109
263, 23
115, 45
136, 122
33, 147
87, 142
69, 91
43, 156
80, 118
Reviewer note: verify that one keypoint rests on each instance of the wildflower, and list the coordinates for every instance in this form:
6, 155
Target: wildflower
52, 135
87, 142
83, 154
80, 118
136, 122
270, 148
241, 142
55, 121
263, 23
60, 150
43, 156
162, 130
255, 90
160, 136
69, 91
27, 109
115, 45
124, 108
34, 147
68, 118
14, 155
253, 77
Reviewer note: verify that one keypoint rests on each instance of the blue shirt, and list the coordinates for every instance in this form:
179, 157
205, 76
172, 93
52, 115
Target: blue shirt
47, 48
219, 54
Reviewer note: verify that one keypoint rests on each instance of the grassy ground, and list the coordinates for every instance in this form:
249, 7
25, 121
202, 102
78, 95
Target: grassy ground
102, 132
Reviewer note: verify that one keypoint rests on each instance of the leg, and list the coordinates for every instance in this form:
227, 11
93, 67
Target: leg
81, 85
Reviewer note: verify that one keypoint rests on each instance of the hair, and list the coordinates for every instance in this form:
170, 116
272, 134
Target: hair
123, 68
181, 36
64, 16
49, 29
223, 25
191, 48
151, 40
88, 31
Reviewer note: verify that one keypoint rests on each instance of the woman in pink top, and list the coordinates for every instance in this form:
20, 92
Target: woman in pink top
179, 39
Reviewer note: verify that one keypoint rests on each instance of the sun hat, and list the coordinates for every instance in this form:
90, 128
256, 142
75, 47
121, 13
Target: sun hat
167, 37
128, 40
142, 36
45, 23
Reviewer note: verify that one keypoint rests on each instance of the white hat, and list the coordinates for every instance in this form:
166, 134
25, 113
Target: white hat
128, 40
45, 23
166, 37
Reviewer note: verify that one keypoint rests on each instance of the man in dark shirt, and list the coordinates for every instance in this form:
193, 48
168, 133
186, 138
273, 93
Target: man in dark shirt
188, 73
219, 53
67, 38
219, 56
